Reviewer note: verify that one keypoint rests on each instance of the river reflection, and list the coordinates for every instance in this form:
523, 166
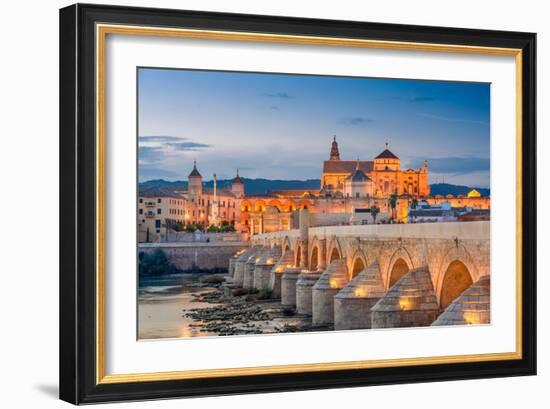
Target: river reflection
161, 304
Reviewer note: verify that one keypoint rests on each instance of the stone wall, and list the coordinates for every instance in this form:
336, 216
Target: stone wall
204, 255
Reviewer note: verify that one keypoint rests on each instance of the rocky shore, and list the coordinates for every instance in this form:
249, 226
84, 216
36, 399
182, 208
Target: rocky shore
244, 312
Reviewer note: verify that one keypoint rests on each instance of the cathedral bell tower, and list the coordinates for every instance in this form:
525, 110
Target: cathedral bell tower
334, 153
194, 181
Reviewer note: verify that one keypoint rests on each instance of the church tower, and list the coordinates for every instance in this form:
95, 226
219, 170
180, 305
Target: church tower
334, 153
194, 184
237, 186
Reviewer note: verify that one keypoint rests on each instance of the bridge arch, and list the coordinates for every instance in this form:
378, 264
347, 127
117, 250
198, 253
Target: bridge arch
335, 251
314, 259
298, 255
456, 280
315, 253
286, 245
399, 265
455, 253
358, 264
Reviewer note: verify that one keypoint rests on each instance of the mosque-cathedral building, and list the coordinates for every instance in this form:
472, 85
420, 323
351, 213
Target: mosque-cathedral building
349, 190
378, 178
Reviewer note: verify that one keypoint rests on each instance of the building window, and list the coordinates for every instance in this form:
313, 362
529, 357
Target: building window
140, 211
159, 211
357, 194
159, 200
141, 199
157, 224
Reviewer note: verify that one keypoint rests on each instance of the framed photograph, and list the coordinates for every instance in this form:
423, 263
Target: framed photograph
257, 203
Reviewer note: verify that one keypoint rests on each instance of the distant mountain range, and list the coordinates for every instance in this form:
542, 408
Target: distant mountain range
263, 186
444, 189
252, 186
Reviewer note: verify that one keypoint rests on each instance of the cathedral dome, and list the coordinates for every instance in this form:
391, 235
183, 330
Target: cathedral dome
387, 154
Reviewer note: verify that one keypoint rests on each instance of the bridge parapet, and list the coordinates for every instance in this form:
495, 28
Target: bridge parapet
455, 253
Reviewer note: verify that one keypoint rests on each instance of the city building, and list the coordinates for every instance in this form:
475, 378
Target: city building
162, 208
384, 173
351, 192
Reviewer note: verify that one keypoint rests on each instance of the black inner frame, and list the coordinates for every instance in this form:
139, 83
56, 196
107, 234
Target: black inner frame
77, 204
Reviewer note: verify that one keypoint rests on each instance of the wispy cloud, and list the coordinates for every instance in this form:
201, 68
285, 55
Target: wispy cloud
188, 146
451, 119
161, 138
355, 120
281, 95
155, 150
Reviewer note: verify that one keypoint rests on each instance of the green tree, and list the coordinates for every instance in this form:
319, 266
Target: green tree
393, 203
156, 263
374, 210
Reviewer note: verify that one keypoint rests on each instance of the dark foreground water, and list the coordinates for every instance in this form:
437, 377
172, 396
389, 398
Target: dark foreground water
162, 302
181, 306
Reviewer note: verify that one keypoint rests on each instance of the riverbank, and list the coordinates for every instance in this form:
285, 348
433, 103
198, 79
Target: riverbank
193, 305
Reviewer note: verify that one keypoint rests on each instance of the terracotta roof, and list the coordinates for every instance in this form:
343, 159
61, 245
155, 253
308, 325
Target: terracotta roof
160, 191
293, 192
387, 154
346, 166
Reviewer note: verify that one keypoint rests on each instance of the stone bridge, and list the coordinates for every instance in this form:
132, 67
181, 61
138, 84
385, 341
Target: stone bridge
370, 275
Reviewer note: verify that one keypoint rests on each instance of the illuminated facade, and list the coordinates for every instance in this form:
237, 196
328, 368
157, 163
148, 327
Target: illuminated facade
349, 190
159, 207
384, 176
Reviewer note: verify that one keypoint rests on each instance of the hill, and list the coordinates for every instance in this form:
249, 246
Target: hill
263, 186
444, 189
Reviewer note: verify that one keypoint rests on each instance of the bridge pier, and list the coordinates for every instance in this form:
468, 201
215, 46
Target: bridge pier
286, 261
250, 266
472, 307
333, 279
238, 273
288, 286
304, 288
352, 305
411, 302
262, 269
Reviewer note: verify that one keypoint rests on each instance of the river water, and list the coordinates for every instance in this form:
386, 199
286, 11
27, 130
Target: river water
161, 304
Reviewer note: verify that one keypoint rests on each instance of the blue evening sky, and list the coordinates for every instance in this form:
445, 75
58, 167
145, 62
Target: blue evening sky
280, 126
